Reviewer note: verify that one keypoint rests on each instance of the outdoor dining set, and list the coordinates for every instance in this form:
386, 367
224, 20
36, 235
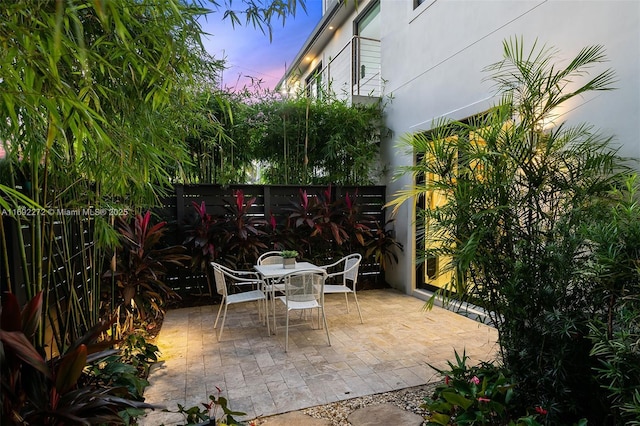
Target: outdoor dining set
299, 287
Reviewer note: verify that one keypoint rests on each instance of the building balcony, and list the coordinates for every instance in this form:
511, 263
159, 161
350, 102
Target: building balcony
353, 74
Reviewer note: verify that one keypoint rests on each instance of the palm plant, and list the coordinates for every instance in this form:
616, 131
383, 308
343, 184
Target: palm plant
517, 185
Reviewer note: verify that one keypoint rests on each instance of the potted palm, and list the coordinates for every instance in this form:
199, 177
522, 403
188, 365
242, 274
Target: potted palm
289, 258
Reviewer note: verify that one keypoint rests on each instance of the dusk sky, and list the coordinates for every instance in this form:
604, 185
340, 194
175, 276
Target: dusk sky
248, 50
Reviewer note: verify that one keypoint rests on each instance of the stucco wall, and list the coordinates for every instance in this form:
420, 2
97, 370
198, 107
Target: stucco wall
433, 59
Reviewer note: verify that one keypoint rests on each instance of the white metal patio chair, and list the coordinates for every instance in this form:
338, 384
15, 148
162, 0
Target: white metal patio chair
348, 272
270, 258
304, 291
272, 286
226, 277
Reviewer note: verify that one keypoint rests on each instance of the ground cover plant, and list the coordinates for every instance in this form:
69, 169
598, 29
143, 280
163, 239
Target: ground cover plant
477, 395
520, 190
215, 411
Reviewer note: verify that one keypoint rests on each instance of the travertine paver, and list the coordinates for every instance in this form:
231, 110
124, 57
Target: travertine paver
384, 414
393, 349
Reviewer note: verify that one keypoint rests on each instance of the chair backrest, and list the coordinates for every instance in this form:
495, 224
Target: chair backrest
304, 286
221, 282
270, 258
228, 278
351, 266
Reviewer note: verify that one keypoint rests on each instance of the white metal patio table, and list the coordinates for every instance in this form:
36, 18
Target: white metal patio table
273, 273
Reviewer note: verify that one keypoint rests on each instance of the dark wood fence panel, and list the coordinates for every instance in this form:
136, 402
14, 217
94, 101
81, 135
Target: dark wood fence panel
270, 200
69, 271
175, 208
276, 200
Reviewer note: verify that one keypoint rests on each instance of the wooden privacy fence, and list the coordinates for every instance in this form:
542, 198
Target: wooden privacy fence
72, 272
270, 200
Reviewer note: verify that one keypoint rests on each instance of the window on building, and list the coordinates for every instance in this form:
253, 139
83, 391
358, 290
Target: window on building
366, 52
417, 3
429, 274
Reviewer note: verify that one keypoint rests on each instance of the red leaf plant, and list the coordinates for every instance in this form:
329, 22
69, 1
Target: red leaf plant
142, 264
54, 391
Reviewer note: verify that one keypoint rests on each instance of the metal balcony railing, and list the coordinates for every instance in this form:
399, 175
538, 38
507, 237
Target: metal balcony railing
353, 71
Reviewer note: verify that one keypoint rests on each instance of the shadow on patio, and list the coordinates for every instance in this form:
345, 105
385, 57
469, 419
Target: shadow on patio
390, 351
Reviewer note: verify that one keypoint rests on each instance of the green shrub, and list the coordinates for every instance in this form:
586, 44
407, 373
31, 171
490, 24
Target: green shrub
517, 196
129, 367
483, 394
476, 395
615, 326
58, 390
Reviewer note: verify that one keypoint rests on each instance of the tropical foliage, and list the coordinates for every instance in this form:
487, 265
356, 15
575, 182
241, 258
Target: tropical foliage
140, 266
277, 140
92, 93
54, 391
519, 188
234, 238
84, 88
317, 227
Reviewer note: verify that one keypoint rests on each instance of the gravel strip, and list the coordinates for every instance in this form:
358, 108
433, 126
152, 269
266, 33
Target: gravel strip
408, 399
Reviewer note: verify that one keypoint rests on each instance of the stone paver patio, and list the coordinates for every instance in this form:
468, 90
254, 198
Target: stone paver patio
391, 350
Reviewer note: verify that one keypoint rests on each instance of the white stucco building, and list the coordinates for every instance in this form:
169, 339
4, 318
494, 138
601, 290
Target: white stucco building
429, 55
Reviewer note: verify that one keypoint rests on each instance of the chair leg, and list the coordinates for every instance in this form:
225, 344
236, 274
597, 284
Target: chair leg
346, 299
224, 316
266, 317
286, 334
273, 312
259, 302
358, 306
223, 302
326, 327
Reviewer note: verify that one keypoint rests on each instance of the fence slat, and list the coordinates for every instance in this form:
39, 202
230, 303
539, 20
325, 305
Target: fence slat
270, 199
